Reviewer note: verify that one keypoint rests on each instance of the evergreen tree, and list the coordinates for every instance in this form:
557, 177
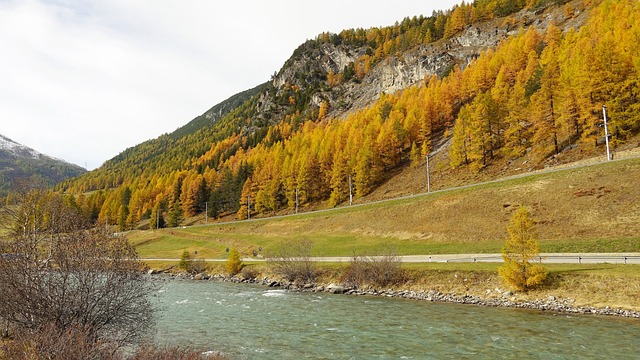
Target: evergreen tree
123, 213
156, 219
175, 215
215, 204
185, 261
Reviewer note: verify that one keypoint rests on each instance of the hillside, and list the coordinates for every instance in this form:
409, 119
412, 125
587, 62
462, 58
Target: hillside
18, 162
588, 209
217, 112
485, 88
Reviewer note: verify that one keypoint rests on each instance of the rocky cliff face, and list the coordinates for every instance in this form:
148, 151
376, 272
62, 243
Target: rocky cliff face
310, 65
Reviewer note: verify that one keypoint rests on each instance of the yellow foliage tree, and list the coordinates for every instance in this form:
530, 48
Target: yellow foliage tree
324, 109
519, 250
334, 79
245, 200
234, 263
415, 156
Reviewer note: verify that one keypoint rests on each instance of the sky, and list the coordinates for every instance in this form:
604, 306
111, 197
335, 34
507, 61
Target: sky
84, 80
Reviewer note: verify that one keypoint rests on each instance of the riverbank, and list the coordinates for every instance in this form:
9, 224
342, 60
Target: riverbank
494, 297
271, 323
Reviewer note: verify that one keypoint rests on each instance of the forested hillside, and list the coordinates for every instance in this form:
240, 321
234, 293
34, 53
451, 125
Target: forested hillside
19, 162
536, 94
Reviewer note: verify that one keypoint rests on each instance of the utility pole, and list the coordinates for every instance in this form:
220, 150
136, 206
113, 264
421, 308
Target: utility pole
428, 175
296, 200
606, 131
248, 207
158, 218
206, 212
350, 192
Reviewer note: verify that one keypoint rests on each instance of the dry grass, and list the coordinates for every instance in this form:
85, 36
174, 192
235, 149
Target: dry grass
599, 285
616, 286
597, 289
594, 209
5, 224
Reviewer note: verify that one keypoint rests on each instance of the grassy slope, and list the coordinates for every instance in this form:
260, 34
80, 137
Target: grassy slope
592, 209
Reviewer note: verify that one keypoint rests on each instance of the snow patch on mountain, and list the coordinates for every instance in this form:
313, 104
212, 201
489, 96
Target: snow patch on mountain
18, 150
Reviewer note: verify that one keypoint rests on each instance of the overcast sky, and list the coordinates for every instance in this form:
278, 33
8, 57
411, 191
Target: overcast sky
84, 80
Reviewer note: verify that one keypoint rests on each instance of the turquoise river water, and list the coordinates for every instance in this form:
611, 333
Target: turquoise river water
254, 322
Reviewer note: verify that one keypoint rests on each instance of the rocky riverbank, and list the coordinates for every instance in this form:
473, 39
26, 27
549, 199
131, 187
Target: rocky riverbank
495, 298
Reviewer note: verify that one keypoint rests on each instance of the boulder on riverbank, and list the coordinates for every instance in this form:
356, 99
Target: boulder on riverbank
503, 299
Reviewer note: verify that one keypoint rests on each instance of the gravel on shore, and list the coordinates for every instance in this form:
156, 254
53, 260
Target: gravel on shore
504, 299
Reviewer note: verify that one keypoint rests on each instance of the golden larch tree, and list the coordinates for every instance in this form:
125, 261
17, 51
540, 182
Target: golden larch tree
234, 262
519, 250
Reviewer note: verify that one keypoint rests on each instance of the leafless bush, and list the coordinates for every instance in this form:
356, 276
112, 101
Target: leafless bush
60, 275
197, 266
172, 353
75, 343
384, 269
192, 265
293, 261
48, 342
249, 272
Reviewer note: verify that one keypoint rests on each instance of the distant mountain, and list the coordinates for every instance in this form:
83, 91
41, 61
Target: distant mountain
18, 161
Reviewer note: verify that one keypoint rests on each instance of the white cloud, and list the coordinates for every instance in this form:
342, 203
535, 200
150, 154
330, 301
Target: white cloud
83, 80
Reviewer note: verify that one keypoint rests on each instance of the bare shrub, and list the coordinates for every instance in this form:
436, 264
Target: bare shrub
75, 343
197, 266
384, 269
192, 265
48, 342
61, 276
249, 272
172, 353
293, 261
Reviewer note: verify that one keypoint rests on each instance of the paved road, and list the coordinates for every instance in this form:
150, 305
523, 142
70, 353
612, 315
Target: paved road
546, 258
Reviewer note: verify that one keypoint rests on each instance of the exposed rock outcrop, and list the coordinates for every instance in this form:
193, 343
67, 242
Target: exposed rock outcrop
310, 63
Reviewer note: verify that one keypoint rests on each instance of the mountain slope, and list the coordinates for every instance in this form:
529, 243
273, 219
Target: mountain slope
490, 88
19, 161
304, 83
216, 113
573, 213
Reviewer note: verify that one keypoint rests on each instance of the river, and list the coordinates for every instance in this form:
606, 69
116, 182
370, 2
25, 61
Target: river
254, 322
